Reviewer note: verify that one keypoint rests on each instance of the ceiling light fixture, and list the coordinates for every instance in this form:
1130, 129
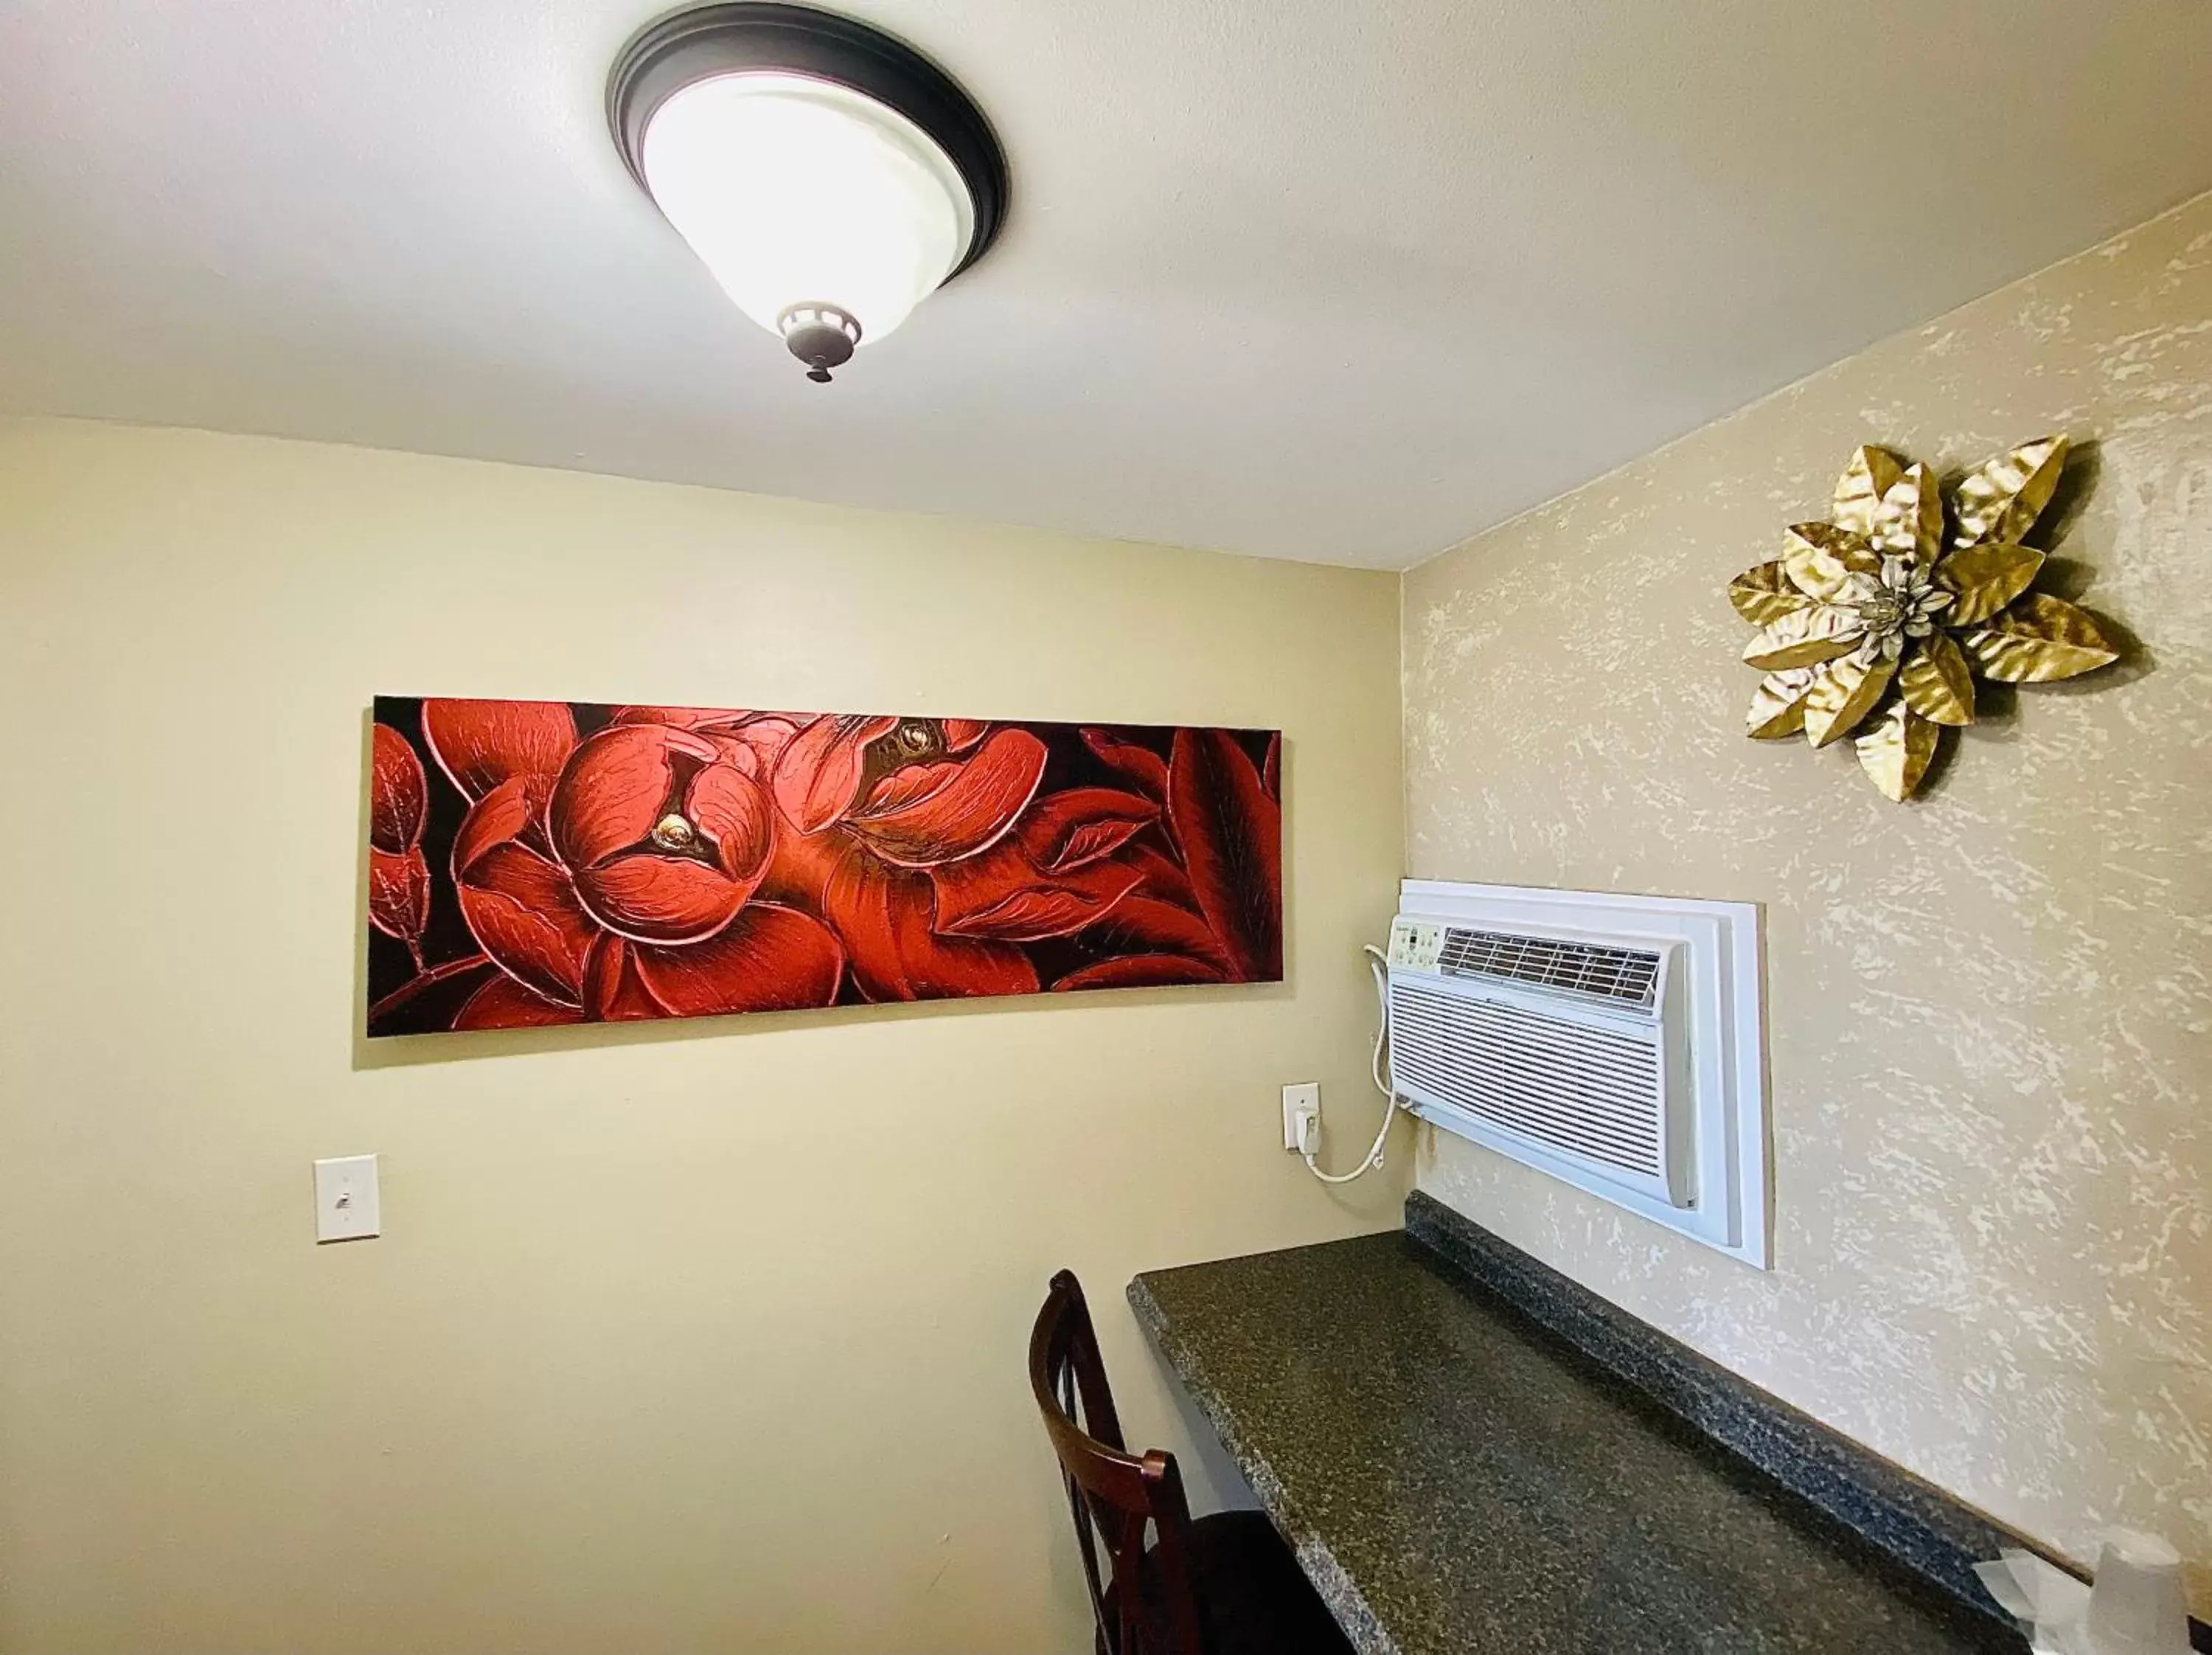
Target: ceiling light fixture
829, 176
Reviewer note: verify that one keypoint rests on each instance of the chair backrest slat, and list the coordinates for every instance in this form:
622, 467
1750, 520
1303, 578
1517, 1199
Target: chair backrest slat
1115, 1497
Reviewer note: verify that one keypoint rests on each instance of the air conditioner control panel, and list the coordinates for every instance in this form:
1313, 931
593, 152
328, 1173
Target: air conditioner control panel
1416, 944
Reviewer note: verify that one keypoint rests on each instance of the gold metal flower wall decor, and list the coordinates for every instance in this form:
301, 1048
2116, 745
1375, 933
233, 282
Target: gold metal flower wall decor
1876, 621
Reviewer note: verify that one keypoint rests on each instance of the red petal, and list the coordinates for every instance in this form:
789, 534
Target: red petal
1081, 825
1140, 766
398, 892
616, 787
801, 868
910, 782
735, 813
398, 791
1001, 894
819, 770
883, 916
612, 989
1271, 773
765, 738
1231, 835
771, 959
522, 908
1138, 971
503, 1003
962, 733
684, 718
481, 743
508, 812
755, 740
656, 898
1144, 924
967, 811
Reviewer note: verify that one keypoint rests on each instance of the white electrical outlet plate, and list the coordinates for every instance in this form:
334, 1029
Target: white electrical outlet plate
348, 1204
1300, 1101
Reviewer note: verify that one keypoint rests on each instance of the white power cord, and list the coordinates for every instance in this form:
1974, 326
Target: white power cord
1377, 963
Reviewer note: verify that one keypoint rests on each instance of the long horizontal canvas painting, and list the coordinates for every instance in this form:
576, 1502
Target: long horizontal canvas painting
541, 862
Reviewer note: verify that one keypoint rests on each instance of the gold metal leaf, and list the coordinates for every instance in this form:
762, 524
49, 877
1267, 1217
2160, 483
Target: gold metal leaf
2000, 499
1909, 520
1986, 578
1849, 592
1860, 489
1819, 558
1937, 683
1845, 693
1777, 706
1804, 637
2039, 640
1764, 595
1896, 749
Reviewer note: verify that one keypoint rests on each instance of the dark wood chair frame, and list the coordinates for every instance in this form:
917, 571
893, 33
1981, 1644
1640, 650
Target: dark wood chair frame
1144, 1604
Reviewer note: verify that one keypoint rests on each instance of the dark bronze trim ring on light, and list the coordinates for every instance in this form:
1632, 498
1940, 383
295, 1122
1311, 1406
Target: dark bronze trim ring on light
715, 41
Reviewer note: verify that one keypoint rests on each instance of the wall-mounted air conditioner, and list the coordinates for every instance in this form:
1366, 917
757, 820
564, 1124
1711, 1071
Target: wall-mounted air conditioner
1612, 1041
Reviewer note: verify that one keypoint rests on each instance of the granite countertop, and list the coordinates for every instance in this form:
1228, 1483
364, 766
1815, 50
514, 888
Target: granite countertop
1457, 1478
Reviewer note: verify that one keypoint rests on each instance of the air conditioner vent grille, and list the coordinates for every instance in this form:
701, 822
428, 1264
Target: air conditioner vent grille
1623, 977
1587, 1092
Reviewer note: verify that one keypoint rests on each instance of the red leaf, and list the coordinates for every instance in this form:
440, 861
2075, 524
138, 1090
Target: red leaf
399, 794
1081, 825
1002, 894
1138, 971
962, 733
1231, 835
503, 1003
400, 892
963, 807
819, 769
1141, 766
1271, 773
481, 743
771, 959
882, 916
1144, 924
1162, 879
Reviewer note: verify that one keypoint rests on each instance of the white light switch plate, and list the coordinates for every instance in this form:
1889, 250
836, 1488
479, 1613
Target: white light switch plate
348, 1207
1302, 1100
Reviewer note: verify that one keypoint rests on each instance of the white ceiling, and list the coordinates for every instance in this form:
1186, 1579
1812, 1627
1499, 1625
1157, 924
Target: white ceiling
1345, 280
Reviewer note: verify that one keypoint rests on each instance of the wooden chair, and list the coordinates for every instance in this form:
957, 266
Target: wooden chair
1224, 1584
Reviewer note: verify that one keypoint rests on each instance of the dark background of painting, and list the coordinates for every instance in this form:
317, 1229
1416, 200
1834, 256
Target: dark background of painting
1069, 763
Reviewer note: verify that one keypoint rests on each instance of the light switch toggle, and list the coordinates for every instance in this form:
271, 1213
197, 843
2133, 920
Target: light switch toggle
348, 1204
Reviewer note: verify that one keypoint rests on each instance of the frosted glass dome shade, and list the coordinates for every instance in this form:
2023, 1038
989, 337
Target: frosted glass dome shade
795, 190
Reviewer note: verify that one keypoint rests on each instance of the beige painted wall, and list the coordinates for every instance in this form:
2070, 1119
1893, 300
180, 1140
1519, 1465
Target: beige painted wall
699, 1337
1988, 1010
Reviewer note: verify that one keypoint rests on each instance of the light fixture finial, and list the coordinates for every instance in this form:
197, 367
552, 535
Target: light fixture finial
821, 336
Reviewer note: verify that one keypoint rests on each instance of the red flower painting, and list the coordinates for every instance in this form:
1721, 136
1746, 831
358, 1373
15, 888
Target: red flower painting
534, 863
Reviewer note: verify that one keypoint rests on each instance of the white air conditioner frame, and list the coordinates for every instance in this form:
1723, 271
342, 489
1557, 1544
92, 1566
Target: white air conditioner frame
1719, 986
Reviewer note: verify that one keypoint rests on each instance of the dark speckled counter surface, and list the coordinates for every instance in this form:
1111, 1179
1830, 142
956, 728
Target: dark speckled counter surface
1458, 1479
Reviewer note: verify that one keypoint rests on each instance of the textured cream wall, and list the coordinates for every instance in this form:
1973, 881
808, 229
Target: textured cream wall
1988, 1010
706, 1337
